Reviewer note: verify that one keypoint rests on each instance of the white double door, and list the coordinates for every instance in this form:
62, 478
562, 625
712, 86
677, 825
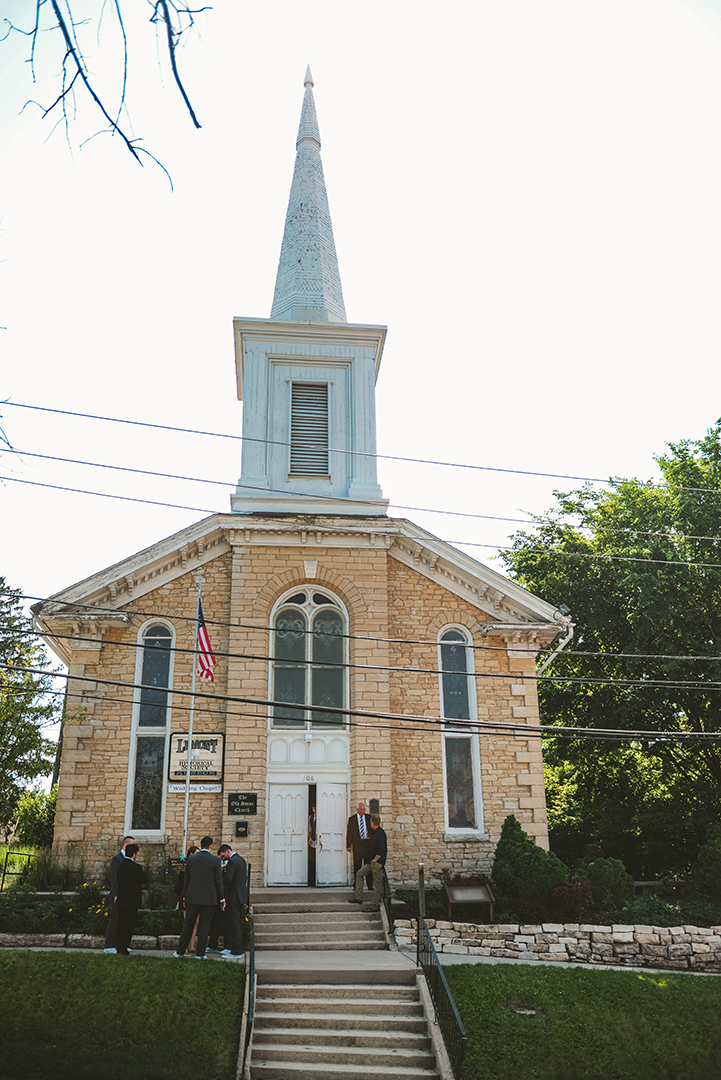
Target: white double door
288, 811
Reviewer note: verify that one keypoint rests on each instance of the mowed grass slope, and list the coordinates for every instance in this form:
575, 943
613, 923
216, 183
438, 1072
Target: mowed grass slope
531, 1023
80, 1016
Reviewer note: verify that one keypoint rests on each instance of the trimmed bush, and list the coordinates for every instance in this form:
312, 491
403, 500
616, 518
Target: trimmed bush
612, 886
573, 901
525, 873
704, 882
36, 818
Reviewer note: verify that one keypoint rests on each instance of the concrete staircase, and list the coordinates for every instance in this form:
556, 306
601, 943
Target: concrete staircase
313, 919
340, 1024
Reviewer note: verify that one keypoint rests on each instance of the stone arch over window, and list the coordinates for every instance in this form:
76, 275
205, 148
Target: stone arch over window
309, 659
342, 587
461, 752
145, 804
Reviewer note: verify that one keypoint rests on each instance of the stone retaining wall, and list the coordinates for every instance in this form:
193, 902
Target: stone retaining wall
79, 941
688, 948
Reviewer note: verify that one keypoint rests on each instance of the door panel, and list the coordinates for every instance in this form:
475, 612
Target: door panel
288, 825
332, 818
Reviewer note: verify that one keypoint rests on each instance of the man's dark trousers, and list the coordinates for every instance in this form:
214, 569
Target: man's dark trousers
192, 911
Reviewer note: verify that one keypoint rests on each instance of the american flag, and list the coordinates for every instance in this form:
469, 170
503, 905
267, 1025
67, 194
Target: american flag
206, 659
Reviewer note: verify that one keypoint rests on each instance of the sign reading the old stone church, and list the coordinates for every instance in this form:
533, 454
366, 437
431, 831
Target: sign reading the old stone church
242, 803
206, 757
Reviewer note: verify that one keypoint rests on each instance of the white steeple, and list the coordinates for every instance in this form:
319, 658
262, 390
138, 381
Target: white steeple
306, 376
307, 286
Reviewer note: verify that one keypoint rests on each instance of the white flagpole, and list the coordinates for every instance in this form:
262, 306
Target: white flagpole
190, 725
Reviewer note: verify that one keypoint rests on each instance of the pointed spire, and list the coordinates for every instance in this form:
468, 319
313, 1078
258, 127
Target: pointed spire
307, 286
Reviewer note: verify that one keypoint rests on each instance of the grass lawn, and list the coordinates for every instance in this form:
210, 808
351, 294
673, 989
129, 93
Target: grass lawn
83, 1016
587, 1025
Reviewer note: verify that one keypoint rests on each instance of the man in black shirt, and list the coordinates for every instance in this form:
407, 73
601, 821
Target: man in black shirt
374, 863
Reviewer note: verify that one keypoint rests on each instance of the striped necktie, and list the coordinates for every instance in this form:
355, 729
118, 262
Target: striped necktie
362, 826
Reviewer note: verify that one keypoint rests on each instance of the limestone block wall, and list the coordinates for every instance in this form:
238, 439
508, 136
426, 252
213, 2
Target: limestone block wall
682, 948
511, 765
92, 789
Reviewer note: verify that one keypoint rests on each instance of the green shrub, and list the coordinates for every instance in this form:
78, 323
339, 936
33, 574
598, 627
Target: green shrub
159, 922
525, 873
36, 818
612, 886
573, 901
700, 913
704, 882
646, 911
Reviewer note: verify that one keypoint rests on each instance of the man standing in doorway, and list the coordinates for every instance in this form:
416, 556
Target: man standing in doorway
373, 868
111, 929
236, 896
357, 838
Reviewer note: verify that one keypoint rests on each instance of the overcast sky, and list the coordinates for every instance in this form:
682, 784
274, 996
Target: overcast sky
527, 193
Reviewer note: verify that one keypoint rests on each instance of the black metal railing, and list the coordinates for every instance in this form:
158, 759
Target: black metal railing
447, 1018
386, 898
250, 975
15, 873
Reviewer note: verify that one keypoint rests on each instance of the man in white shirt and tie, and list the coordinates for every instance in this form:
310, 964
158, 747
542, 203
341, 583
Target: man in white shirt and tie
358, 838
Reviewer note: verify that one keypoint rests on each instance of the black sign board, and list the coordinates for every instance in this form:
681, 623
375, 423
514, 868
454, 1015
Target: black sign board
243, 802
241, 828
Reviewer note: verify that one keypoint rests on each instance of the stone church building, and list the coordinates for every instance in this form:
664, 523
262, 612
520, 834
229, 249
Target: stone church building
358, 657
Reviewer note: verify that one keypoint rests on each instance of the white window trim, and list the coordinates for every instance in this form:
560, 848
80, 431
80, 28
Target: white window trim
149, 834
464, 729
281, 602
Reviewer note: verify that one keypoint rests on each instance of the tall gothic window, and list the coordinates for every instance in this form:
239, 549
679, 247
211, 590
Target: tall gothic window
461, 763
151, 725
309, 661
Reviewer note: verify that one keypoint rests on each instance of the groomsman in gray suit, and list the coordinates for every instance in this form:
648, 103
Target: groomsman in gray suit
203, 893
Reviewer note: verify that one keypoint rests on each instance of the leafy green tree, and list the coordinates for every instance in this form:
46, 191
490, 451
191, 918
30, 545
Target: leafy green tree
36, 817
639, 564
26, 711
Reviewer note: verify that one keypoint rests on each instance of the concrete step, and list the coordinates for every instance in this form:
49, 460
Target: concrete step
317, 918
333, 1020
362, 993
398, 1040
337, 976
349, 1055
301, 1070
322, 944
323, 1002
293, 936
332, 1003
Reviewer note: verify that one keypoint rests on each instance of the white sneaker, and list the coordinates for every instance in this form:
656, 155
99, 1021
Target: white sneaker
239, 957
178, 956
110, 950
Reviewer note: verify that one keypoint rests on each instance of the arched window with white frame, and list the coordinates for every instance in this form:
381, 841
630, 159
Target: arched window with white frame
461, 760
145, 812
309, 647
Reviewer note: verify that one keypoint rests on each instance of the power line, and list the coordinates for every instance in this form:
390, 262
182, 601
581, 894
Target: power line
330, 529
430, 643
450, 727
337, 450
668, 684
533, 522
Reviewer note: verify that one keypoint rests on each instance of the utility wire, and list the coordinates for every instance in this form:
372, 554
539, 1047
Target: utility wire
336, 450
669, 684
263, 628
657, 534
452, 727
328, 529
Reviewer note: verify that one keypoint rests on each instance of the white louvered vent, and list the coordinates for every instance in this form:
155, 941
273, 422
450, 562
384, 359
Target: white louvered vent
309, 429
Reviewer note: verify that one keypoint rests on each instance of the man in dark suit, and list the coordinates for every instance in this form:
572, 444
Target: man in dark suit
373, 867
131, 878
203, 893
111, 928
357, 838
236, 897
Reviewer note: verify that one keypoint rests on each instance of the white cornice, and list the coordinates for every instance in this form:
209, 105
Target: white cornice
347, 335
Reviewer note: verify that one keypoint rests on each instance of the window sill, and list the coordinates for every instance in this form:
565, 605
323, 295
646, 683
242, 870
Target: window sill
458, 837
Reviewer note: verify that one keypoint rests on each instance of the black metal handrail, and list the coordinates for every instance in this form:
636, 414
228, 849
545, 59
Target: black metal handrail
386, 896
250, 975
447, 1018
15, 873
